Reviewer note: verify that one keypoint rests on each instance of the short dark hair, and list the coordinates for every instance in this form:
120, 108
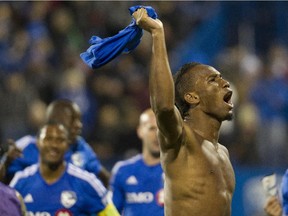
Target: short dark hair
182, 84
61, 107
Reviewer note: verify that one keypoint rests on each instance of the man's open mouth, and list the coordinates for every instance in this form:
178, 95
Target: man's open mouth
227, 97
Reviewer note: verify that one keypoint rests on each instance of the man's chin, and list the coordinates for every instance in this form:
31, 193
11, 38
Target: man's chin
229, 117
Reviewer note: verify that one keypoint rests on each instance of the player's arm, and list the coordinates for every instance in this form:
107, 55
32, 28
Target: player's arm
161, 85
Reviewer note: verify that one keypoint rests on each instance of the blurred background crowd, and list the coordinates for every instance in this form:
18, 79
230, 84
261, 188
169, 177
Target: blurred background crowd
40, 44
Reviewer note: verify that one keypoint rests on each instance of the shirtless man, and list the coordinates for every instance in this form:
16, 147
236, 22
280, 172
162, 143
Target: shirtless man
199, 178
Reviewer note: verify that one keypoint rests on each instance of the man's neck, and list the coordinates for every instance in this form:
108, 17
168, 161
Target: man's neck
51, 175
205, 126
150, 159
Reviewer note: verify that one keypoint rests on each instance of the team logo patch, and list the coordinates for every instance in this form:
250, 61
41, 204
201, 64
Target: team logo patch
68, 198
63, 212
160, 197
77, 159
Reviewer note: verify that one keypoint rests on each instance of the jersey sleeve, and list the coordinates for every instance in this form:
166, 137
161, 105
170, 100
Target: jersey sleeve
94, 193
15, 166
16, 183
118, 193
92, 164
30, 155
285, 193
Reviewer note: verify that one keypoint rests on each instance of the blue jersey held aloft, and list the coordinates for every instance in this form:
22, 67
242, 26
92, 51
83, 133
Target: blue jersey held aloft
138, 188
77, 192
80, 154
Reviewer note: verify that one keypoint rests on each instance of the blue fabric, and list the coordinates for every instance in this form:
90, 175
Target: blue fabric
104, 50
76, 192
137, 187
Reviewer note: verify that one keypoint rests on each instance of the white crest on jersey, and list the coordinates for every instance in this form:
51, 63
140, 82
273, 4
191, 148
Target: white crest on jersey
77, 159
68, 198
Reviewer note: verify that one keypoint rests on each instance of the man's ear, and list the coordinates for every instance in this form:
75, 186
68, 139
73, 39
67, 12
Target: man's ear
192, 98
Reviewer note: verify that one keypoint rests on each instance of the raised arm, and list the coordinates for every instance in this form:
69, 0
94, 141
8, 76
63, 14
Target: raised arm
161, 85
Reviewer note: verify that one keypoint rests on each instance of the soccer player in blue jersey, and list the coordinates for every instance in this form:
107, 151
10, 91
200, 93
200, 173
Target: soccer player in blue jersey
137, 183
53, 187
25, 152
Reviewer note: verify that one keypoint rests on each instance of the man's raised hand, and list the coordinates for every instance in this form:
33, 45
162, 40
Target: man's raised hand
145, 22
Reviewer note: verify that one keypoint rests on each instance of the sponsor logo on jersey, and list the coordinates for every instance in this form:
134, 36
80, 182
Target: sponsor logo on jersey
63, 212
141, 197
77, 159
28, 198
132, 180
68, 198
160, 197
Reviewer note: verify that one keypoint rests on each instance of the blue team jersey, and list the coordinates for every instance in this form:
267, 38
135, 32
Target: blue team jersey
285, 193
80, 154
77, 192
138, 188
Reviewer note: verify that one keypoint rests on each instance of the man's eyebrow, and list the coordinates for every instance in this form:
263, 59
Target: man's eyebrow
215, 74
212, 75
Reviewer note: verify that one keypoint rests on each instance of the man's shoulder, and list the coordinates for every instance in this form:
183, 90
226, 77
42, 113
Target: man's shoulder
24, 175
80, 174
224, 149
82, 147
83, 177
28, 171
127, 164
25, 142
82, 144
